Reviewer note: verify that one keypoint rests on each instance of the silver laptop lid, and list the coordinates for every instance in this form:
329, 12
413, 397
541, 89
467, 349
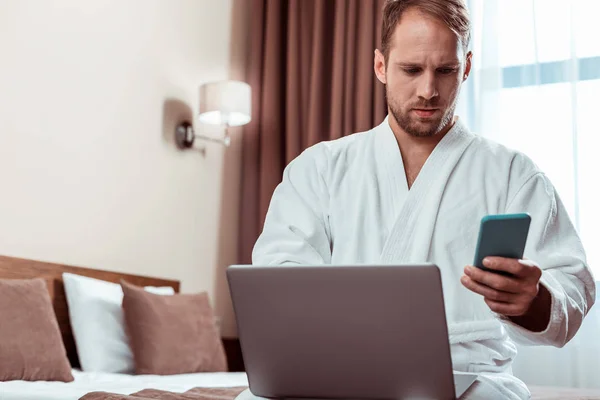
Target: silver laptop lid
368, 332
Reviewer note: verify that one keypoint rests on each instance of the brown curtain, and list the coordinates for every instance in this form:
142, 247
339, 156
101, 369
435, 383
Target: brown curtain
310, 66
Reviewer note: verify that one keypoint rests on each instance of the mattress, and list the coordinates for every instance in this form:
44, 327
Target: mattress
86, 382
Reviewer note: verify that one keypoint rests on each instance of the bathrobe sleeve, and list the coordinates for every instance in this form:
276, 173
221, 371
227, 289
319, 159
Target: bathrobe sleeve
554, 245
296, 229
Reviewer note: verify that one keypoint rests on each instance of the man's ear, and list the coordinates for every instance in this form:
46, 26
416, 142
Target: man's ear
379, 66
467, 66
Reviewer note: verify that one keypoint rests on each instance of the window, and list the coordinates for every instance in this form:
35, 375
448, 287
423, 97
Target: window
538, 90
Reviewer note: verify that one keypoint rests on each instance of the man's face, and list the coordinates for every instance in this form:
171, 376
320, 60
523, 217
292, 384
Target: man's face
425, 69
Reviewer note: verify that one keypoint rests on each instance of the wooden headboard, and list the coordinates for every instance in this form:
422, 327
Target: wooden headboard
18, 268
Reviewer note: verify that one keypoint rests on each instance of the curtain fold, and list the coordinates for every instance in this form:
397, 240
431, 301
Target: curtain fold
310, 66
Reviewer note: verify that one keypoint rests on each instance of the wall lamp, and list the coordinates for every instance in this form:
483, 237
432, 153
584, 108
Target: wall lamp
223, 103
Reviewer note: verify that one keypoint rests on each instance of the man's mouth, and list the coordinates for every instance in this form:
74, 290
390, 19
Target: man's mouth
425, 112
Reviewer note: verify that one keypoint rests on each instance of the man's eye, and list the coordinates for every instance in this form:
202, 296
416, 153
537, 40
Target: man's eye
446, 71
412, 71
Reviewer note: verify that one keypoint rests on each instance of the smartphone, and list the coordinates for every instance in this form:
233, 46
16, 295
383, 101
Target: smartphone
503, 235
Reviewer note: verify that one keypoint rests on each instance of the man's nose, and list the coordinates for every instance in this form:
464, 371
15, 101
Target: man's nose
427, 89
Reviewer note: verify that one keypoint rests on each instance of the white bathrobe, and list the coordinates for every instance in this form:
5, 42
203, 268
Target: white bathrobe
347, 202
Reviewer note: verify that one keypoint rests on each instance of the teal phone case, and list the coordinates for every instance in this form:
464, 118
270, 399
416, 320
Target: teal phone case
503, 235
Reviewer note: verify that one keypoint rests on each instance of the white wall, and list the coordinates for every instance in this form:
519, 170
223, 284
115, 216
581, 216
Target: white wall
89, 95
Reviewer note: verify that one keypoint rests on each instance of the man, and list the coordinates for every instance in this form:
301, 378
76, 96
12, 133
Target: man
415, 188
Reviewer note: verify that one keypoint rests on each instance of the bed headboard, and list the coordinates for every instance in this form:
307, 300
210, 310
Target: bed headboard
18, 268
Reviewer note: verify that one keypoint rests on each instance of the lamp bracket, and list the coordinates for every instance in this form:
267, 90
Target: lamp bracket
185, 136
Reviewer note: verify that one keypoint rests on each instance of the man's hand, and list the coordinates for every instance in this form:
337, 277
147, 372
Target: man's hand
507, 295
519, 297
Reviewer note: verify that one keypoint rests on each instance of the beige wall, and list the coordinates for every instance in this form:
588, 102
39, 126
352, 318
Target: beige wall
89, 95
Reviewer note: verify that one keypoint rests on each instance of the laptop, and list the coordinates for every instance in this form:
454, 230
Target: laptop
344, 332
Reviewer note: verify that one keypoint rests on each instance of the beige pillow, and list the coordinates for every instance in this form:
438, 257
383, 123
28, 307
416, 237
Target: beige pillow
31, 347
173, 334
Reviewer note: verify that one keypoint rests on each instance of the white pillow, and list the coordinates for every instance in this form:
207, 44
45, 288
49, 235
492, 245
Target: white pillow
98, 325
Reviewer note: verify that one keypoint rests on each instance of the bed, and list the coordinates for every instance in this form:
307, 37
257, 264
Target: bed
86, 382
18, 268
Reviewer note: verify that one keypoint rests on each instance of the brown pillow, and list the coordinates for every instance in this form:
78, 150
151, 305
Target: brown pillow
173, 334
31, 347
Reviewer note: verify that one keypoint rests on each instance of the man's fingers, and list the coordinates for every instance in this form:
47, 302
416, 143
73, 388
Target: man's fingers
506, 295
494, 280
509, 265
508, 309
486, 291
518, 268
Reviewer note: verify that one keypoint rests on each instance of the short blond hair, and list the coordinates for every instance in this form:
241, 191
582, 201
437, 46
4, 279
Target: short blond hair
453, 13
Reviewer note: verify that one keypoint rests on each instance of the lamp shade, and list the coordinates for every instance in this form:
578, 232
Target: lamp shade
225, 103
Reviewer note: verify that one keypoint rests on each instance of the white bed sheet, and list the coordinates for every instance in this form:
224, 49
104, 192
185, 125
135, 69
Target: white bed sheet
86, 382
